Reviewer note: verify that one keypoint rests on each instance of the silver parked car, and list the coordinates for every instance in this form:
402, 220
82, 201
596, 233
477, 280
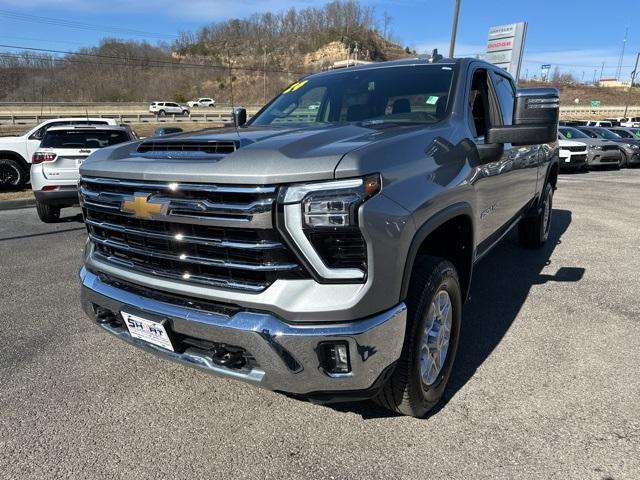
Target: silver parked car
630, 148
600, 152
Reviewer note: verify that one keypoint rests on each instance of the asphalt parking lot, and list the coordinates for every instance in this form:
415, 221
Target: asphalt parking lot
546, 384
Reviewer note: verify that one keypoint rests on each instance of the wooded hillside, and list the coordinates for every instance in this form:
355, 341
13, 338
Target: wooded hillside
245, 58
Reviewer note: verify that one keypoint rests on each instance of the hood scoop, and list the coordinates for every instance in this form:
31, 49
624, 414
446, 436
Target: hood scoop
178, 149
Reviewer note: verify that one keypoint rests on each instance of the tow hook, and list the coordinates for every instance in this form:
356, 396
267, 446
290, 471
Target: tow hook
228, 359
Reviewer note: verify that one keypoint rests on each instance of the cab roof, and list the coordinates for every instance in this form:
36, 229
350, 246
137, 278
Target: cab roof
88, 127
457, 63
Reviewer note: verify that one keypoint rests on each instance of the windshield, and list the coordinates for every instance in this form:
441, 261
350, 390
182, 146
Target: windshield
79, 139
604, 133
571, 133
624, 134
402, 94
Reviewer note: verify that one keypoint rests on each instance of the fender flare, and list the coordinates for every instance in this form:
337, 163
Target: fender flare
428, 227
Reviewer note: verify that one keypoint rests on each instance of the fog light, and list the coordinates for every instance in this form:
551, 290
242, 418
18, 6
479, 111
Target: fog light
334, 357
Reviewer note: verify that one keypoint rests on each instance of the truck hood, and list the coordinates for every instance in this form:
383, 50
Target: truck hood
266, 155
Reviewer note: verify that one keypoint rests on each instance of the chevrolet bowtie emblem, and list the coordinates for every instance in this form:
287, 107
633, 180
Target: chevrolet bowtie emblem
141, 207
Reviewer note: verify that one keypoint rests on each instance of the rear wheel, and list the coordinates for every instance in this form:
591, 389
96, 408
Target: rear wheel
48, 213
12, 174
534, 231
434, 316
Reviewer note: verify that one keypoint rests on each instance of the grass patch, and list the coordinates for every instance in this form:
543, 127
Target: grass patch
16, 195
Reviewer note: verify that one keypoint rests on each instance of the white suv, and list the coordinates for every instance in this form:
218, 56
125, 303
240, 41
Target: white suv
572, 154
16, 151
202, 102
55, 165
167, 108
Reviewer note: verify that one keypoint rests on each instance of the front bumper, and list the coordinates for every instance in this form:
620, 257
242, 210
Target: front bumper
286, 355
573, 161
604, 158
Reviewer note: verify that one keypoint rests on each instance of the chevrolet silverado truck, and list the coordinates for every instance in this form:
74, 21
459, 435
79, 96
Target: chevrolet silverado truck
322, 252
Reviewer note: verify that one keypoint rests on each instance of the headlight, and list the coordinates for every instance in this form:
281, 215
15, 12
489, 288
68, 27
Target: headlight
635, 146
321, 220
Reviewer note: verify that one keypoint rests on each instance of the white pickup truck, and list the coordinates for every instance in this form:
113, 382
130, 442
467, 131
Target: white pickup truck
16, 151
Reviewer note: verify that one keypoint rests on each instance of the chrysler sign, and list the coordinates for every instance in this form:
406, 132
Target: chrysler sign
505, 46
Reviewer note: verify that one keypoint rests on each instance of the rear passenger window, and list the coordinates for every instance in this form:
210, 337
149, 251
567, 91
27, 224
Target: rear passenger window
506, 97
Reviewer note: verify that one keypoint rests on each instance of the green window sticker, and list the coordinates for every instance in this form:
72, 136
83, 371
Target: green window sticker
432, 99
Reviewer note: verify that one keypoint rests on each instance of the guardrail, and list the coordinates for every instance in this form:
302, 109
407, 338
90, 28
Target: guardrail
222, 115
205, 116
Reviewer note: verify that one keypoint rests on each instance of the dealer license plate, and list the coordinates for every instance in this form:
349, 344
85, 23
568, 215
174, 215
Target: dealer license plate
147, 330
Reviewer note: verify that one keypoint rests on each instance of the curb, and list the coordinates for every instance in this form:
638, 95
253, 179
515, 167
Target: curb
15, 204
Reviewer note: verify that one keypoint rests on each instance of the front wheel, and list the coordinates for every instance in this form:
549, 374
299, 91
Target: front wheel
533, 231
48, 213
162, 113
624, 161
434, 317
185, 113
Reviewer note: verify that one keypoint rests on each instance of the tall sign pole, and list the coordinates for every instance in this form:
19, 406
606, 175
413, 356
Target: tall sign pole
454, 29
505, 46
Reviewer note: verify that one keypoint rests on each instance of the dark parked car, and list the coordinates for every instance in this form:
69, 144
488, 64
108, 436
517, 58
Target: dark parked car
630, 148
600, 152
631, 133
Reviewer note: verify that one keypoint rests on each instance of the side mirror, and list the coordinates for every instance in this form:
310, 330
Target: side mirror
240, 116
535, 119
38, 134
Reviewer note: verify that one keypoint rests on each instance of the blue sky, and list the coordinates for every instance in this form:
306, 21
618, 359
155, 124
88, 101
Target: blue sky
576, 36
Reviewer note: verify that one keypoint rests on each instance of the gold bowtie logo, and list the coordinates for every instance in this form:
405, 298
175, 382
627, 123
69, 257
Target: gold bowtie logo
141, 207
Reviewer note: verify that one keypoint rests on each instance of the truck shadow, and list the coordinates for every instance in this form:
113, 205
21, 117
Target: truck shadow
500, 286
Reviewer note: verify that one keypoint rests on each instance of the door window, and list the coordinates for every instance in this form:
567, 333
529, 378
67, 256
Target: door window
482, 107
506, 97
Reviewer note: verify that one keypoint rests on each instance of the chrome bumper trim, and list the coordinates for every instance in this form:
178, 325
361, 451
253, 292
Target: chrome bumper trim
285, 353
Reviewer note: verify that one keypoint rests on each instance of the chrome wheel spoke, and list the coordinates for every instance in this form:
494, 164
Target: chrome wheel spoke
434, 344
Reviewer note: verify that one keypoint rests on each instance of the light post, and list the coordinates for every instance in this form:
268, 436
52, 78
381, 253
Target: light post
454, 29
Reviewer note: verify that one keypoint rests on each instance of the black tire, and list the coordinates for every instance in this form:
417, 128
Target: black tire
624, 161
48, 213
13, 175
405, 392
162, 113
533, 231
185, 112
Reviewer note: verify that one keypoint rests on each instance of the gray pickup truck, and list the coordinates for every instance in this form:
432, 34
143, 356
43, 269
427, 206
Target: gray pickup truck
324, 248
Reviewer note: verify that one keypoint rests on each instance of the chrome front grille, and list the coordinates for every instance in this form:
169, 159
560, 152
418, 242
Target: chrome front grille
214, 235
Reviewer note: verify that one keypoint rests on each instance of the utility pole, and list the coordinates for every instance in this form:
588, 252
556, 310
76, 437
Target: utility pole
595, 72
633, 77
624, 44
601, 70
355, 51
454, 29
